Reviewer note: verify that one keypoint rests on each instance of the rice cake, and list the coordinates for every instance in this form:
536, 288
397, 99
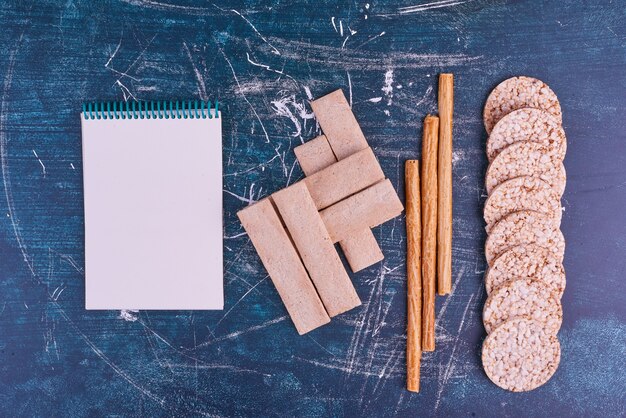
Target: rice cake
522, 193
526, 298
520, 355
528, 260
527, 125
527, 159
524, 227
518, 93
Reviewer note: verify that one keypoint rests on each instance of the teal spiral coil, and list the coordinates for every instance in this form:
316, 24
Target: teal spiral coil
155, 109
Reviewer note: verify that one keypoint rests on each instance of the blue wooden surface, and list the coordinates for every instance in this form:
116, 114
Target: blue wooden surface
263, 61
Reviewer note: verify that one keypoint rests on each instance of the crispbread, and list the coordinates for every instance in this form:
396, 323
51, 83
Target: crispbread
526, 298
527, 159
524, 227
518, 93
527, 125
522, 193
520, 355
528, 260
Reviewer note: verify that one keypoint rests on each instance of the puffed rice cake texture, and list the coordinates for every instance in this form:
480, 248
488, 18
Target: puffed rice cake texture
522, 193
527, 159
518, 93
526, 298
529, 260
527, 125
520, 355
524, 227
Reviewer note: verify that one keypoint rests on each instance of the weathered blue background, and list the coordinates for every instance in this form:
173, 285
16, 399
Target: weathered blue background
263, 61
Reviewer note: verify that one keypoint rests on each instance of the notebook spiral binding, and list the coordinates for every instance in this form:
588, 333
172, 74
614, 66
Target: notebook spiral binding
190, 109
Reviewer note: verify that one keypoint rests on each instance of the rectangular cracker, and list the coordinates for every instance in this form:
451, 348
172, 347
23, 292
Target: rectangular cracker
361, 250
366, 209
338, 123
317, 251
284, 266
344, 178
315, 155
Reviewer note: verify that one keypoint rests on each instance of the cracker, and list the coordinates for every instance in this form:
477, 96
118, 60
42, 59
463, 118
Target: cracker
520, 355
526, 261
518, 93
524, 227
522, 193
526, 298
527, 125
527, 159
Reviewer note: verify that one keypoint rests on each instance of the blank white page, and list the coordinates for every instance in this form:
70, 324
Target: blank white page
153, 213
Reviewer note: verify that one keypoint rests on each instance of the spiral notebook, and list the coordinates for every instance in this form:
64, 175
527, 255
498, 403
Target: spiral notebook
152, 174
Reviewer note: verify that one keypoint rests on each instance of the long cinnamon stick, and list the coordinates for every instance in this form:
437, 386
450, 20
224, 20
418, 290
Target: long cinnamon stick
429, 229
413, 266
444, 179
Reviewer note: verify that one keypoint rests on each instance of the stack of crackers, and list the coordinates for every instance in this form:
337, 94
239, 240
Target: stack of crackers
344, 195
525, 279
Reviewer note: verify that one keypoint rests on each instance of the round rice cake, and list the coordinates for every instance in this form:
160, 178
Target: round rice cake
517, 93
524, 227
527, 159
526, 298
527, 125
520, 355
528, 260
522, 193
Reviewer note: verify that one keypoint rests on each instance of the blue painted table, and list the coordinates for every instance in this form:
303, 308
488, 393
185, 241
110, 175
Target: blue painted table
263, 62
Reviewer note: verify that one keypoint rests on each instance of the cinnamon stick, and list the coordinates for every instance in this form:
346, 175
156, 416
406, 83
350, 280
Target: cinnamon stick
444, 180
413, 266
429, 229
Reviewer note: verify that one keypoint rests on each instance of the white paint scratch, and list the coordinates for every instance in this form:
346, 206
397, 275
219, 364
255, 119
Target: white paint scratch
103, 357
274, 50
43, 167
237, 303
199, 79
344, 369
283, 106
129, 315
125, 91
70, 260
241, 234
4, 164
56, 293
244, 331
261, 166
115, 52
457, 156
308, 93
452, 360
343, 45
250, 199
375, 99
349, 88
132, 64
168, 6
425, 96
424, 6
258, 118
266, 67
387, 88
371, 39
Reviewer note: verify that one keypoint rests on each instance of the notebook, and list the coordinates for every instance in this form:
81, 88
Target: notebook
152, 174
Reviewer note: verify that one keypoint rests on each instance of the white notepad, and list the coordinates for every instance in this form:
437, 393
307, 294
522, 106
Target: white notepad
153, 206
